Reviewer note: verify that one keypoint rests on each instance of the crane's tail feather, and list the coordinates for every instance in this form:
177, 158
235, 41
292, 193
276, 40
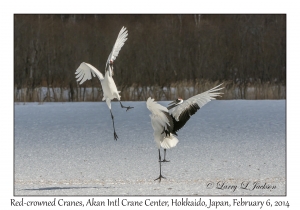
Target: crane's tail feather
169, 142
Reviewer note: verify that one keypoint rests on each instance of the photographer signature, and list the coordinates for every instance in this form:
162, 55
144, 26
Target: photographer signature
245, 185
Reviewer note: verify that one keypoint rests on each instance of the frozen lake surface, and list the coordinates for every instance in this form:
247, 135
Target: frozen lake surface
233, 147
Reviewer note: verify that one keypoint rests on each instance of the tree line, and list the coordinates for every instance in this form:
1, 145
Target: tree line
161, 50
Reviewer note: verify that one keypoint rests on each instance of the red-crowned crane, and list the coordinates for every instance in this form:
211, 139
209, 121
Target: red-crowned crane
110, 92
166, 121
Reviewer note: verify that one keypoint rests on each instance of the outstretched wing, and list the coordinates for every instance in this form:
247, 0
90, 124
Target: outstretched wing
161, 120
122, 37
85, 72
182, 113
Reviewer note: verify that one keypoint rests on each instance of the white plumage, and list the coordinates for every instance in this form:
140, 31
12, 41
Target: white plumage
167, 121
85, 71
122, 37
160, 121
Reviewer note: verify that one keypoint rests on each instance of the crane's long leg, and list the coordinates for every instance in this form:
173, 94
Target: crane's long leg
159, 160
127, 107
164, 160
115, 134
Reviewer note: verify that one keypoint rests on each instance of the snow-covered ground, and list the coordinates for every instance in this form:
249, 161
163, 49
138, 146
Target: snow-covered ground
68, 149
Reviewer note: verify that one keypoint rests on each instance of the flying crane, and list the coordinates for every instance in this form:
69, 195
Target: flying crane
85, 71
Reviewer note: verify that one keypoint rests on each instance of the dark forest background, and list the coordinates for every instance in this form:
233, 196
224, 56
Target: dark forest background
188, 53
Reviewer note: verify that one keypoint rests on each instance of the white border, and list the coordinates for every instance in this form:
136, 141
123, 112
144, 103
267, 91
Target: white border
9, 8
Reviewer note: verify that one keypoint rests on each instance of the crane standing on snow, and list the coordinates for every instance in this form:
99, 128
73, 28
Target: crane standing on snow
167, 121
110, 91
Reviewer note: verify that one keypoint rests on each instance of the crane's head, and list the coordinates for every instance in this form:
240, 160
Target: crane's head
175, 103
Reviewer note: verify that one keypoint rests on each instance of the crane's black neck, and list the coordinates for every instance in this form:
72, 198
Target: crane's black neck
175, 103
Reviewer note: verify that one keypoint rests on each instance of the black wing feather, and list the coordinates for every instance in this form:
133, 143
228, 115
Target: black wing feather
171, 126
184, 117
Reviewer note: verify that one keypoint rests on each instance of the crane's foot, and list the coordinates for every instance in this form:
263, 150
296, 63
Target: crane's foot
159, 178
115, 135
129, 107
164, 160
